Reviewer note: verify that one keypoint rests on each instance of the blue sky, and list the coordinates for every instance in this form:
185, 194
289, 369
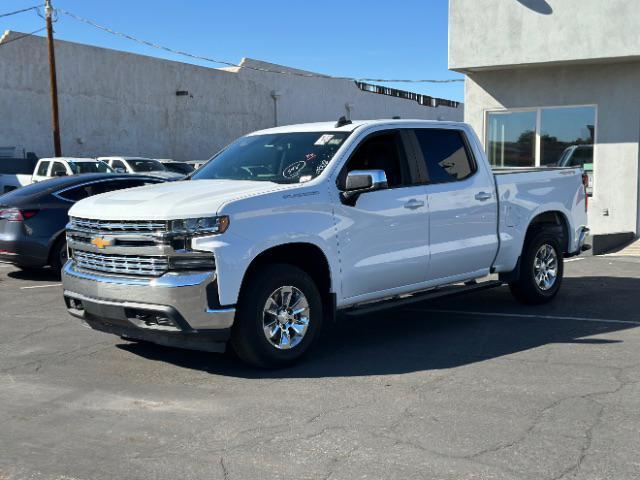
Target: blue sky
406, 39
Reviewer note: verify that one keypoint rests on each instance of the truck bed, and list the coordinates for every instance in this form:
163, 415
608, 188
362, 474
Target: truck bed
508, 170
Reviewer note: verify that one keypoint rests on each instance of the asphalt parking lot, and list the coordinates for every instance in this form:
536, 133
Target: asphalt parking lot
465, 388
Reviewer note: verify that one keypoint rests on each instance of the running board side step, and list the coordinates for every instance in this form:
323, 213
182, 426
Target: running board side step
403, 301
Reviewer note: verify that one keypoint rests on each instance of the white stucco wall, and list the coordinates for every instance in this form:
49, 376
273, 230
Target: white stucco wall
114, 102
613, 87
490, 33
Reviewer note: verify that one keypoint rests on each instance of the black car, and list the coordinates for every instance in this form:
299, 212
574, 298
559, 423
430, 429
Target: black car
33, 218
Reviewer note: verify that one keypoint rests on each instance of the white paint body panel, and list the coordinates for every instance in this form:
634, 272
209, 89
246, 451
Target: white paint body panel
377, 248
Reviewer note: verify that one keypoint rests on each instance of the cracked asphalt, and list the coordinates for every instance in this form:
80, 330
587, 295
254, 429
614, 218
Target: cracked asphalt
475, 387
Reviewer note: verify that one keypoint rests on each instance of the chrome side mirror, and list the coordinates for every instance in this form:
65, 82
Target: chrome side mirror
362, 181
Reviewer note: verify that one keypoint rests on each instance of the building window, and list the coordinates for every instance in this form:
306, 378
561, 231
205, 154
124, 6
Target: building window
511, 138
549, 136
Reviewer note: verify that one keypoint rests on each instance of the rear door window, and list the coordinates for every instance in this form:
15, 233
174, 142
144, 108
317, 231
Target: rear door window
58, 167
445, 155
118, 164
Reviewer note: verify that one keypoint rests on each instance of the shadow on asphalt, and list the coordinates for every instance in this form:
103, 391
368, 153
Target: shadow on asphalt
35, 275
412, 339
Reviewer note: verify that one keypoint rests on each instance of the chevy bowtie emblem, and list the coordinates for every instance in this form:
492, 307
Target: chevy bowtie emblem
101, 242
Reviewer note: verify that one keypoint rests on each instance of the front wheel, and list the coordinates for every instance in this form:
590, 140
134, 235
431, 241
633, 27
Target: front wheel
279, 316
541, 269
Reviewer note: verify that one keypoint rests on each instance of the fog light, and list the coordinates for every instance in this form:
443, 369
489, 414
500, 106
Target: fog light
75, 304
151, 319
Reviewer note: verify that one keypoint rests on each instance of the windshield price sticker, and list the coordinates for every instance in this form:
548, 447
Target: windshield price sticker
294, 169
324, 139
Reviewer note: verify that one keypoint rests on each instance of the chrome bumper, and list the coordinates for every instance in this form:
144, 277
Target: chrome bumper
180, 298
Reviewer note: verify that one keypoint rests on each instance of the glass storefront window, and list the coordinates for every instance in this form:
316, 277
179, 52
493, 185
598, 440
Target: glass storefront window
548, 136
511, 138
566, 136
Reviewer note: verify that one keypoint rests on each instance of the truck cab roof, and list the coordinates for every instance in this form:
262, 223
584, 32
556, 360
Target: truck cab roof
350, 127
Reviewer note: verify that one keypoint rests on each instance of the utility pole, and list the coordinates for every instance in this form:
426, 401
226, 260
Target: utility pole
53, 80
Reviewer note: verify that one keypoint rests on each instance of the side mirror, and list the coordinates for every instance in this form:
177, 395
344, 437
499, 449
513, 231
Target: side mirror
120, 170
60, 173
362, 181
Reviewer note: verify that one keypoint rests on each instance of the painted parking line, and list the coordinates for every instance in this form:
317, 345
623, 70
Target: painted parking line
524, 315
576, 259
42, 286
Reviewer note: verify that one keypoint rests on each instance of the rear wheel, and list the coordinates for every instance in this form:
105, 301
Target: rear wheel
541, 268
279, 316
58, 256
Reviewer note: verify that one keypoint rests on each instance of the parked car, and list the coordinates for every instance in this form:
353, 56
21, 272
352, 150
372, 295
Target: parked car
33, 218
286, 226
16, 172
196, 164
579, 156
47, 168
182, 168
140, 165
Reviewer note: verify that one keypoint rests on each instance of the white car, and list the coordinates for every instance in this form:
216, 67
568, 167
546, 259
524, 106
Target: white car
287, 226
140, 165
47, 168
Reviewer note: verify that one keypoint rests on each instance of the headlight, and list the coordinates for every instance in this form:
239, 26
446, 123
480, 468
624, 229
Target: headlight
200, 226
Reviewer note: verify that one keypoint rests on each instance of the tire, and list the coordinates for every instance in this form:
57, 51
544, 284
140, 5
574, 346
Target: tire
258, 336
58, 256
535, 285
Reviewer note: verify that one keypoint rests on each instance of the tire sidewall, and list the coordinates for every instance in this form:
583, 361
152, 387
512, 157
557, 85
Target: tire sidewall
533, 245
248, 338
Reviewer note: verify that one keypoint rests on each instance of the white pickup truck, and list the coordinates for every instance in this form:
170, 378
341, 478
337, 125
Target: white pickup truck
286, 227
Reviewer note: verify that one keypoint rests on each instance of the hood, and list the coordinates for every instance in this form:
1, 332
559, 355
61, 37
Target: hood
170, 201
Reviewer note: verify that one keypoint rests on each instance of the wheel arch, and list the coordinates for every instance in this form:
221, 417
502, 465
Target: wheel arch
55, 238
551, 217
307, 256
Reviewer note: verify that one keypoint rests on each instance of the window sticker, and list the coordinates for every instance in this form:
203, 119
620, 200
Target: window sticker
321, 166
335, 141
310, 156
323, 139
294, 169
305, 178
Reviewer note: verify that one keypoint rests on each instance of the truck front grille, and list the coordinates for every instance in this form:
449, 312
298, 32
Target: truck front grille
117, 226
149, 266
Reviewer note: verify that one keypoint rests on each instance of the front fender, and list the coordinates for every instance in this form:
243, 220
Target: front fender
259, 224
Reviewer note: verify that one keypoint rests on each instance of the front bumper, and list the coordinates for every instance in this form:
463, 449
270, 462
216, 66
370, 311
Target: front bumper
176, 309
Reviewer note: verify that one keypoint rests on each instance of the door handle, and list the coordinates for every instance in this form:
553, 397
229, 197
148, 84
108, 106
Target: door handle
413, 204
483, 196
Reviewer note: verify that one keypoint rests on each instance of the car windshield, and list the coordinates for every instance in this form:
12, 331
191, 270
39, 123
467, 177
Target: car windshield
278, 157
141, 165
90, 167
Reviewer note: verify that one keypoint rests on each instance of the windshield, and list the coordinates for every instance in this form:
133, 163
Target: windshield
90, 167
139, 165
279, 157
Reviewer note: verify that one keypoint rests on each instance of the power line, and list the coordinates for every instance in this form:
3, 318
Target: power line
20, 11
6, 42
235, 65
